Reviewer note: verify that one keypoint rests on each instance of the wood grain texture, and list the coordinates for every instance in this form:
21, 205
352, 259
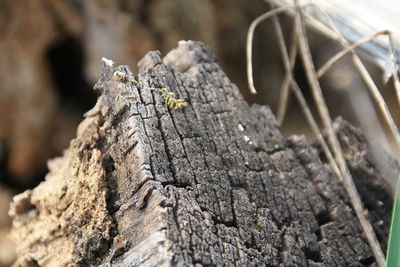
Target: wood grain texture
212, 184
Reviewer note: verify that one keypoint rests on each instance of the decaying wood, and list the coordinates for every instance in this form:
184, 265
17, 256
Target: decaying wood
211, 184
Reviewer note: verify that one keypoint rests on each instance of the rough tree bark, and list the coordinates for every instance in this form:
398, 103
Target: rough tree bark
212, 184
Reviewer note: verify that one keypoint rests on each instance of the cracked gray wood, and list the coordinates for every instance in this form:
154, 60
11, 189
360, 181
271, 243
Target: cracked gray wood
212, 184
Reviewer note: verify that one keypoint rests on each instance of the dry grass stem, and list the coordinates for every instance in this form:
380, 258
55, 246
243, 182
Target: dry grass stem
249, 42
337, 161
396, 82
284, 91
348, 182
369, 82
299, 95
322, 70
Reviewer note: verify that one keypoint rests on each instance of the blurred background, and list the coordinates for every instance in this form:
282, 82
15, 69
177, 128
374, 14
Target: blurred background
50, 53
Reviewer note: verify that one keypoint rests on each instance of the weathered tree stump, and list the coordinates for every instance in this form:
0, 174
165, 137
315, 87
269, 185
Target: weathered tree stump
214, 183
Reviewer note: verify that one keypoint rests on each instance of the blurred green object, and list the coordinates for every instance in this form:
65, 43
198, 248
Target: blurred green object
393, 250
